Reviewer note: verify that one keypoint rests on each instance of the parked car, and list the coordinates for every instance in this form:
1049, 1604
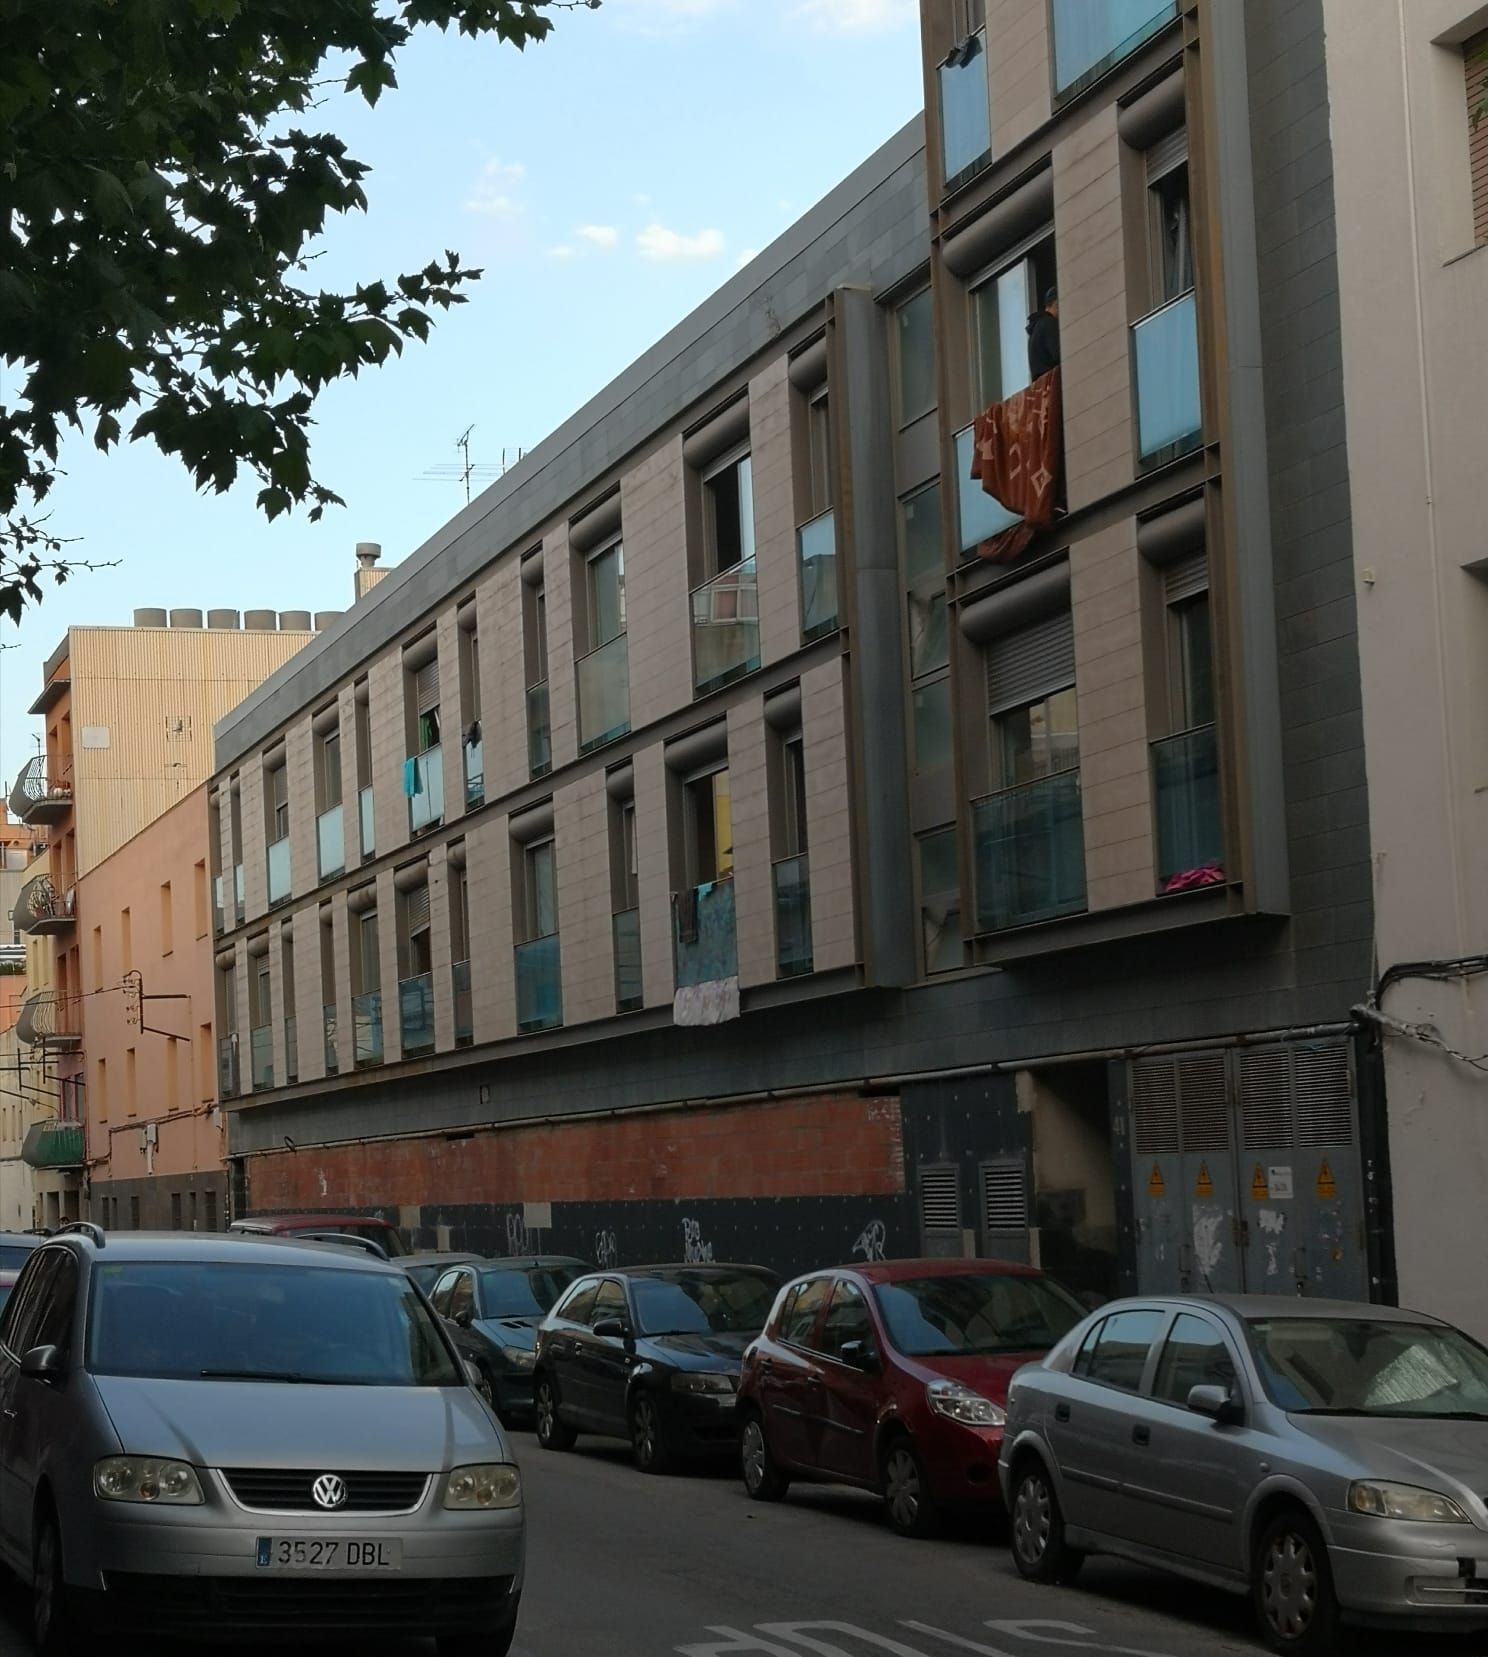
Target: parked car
1328, 1458
650, 1354
16, 1246
7, 1283
494, 1308
428, 1266
204, 1436
892, 1377
383, 1232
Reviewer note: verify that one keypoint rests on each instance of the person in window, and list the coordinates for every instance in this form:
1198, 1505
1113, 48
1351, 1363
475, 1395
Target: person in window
1043, 337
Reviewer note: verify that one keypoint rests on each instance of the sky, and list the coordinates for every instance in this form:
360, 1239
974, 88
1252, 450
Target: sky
606, 182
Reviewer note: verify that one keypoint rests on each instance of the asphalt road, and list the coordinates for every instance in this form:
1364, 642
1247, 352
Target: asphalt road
621, 1565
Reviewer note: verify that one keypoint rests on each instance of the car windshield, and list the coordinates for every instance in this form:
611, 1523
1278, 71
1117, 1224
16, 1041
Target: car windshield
524, 1294
219, 1320
700, 1303
966, 1312
1367, 1366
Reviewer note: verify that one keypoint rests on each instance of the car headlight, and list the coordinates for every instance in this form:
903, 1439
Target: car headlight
1404, 1501
705, 1380
519, 1357
958, 1402
487, 1485
147, 1479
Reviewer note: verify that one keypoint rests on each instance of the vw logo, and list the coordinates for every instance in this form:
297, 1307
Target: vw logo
329, 1490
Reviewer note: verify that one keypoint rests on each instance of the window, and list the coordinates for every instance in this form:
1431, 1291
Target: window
609, 1303
793, 794
363, 708
537, 652
1038, 740
728, 497
131, 1095
965, 104
915, 333
819, 445
126, 940
924, 555
579, 1302
624, 853
605, 575
102, 1088
1190, 663
1475, 64
167, 920
1000, 308
276, 802
328, 769
929, 643
540, 874
418, 948
1115, 1351
440, 1298
172, 1074
1170, 231
940, 900
462, 1296
97, 955
366, 959
426, 699
932, 725
1090, 39
1194, 1355
199, 893
802, 1308
712, 839
847, 1320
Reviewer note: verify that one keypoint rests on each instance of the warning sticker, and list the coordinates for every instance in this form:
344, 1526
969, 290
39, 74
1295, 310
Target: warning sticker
1155, 1185
1259, 1189
1280, 1181
1205, 1186
1327, 1186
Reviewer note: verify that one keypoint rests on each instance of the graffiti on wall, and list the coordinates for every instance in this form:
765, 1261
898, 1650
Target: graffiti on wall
694, 1250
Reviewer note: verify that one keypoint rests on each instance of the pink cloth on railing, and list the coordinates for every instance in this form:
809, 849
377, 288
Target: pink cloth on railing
1210, 874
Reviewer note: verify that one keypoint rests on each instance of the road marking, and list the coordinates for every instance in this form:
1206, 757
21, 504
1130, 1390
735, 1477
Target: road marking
763, 1640
957, 1640
795, 1631
734, 1640
1025, 1631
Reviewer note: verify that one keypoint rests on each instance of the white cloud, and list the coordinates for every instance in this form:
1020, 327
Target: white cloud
491, 193
663, 16
663, 246
563, 251
599, 235
744, 258
858, 16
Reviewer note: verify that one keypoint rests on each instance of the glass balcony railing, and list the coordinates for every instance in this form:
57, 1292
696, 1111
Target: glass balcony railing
291, 1049
416, 1014
219, 904
475, 773
704, 935
330, 843
332, 1056
366, 1028
1030, 853
539, 731
981, 516
725, 627
604, 693
792, 917
816, 553
261, 1053
240, 892
1190, 841
629, 991
464, 1012
539, 987
227, 1067
965, 108
279, 872
1165, 365
423, 781
1089, 39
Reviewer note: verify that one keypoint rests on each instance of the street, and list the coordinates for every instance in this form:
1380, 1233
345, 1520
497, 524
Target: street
625, 1566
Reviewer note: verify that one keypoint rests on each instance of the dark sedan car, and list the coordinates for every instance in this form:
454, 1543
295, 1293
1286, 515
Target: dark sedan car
426, 1269
650, 1354
494, 1308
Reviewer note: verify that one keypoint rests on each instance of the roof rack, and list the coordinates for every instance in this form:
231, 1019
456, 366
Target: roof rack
96, 1232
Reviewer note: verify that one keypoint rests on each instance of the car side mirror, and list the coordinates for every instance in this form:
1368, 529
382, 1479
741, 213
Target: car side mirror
1216, 1403
611, 1329
860, 1355
44, 1363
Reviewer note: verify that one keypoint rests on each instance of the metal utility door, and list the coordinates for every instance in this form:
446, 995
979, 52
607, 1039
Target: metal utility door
1246, 1173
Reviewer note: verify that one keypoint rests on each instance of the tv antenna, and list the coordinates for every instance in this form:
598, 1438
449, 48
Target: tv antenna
465, 470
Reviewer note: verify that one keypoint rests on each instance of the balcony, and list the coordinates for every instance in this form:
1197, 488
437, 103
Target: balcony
279, 872
423, 782
604, 694
227, 1066
965, 109
39, 799
330, 843
291, 1049
792, 918
46, 1021
464, 1011
42, 910
475, 772
539, 731
54, 1144
1165, 370
816, 554
704, 937
1089, 40
366, 1028
1030, 853
219, 911
629, 991
328, 1026
1190, 840
539, 985
416, 1015
367, 821
261, 1057
725, 627
980, 515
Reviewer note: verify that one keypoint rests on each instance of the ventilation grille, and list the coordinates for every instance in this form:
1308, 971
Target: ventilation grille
1155, 1107
1266, 1100
1325, 1096
1004, 1197
940, 1199
1206, 1112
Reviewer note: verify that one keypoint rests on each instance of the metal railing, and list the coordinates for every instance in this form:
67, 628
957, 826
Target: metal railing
330, 843
416, 1014
464, 1010
604, 693
704, 935
816, 557
793, 917
1185, 779
539, 984
366, 1028
1165, 369
426, 799
725, 627
1030, 852
629, 990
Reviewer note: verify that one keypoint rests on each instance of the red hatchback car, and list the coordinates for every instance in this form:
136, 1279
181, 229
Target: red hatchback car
893, 1376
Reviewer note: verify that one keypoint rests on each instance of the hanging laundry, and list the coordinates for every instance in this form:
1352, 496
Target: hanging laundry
413, 783
1016, 451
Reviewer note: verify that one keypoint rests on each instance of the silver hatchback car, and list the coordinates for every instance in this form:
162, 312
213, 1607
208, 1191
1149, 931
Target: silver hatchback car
1331, 1459
223, 1437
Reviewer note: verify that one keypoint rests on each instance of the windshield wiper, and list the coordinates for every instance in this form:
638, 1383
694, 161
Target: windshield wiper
290, 1377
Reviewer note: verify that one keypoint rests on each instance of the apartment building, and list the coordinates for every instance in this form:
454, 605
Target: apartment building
31, 1145
862, 786
128, 715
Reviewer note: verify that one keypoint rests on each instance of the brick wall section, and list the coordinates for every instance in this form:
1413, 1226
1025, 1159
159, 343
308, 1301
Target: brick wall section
582, 831
498, 620
255, 848
774, 511
309, 1010
654, 876
441, 954
492, 970
451, 727
828, 818
810, 1147
658, 618
1115, 786
304, 865
389, 752
1018, 67
1093, 310
563, 699
754, 904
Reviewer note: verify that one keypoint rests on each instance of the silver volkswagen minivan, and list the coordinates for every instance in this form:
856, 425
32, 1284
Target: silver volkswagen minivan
222, 1437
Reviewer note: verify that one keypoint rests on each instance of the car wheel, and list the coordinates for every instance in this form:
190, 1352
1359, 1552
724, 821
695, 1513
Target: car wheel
53, 1603
552, 1434
647, 1441
906, 1492
762, 1477
1040, 1550
1292, 1583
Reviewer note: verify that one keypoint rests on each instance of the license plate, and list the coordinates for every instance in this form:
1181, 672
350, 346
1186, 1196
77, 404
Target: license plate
329, 1553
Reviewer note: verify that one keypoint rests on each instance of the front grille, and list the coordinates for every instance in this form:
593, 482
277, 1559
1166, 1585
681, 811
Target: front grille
246, 1606
270, 1490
